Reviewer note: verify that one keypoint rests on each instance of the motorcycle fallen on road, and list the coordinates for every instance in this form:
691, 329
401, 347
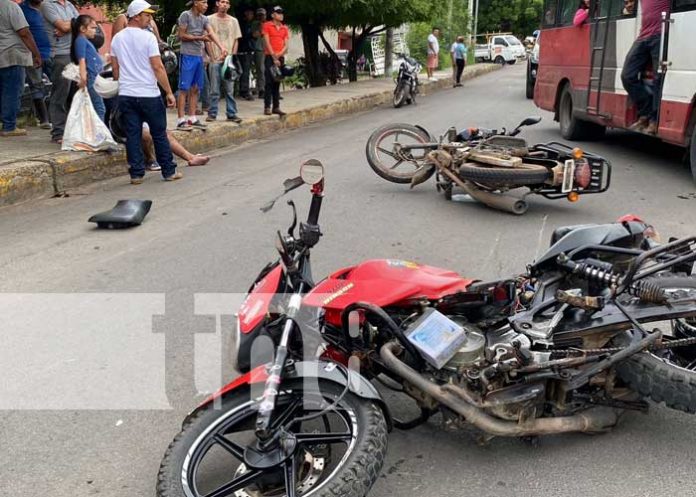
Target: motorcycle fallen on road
566, 346
494, 167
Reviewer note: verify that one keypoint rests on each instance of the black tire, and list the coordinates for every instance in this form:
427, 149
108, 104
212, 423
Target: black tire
399, 95
512, 62
573, 128
503, 176
499, 60
352, 478
657, 379
529, 87
383, 170
692, 154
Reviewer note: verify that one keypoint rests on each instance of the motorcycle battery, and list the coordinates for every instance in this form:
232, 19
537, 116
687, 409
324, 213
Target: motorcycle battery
436, 337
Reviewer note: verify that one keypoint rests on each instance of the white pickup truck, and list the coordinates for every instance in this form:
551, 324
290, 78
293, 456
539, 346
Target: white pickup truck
501, 49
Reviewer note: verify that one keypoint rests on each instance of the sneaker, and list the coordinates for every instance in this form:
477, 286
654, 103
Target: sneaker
267, 111
210, 119
639, 125
235, 119
279, 112
174, 177
14, 132
152, 166
651, 129
184, 126
137, 181
45, 125
58, 140
198, 124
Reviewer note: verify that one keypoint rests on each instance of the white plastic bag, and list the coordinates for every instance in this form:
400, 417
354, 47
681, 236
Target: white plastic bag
84, 130
71, 72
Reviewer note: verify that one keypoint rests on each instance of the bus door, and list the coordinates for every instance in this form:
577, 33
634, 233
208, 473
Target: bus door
679, 71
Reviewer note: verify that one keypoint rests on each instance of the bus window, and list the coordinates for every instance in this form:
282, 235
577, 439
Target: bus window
682, 5
567, 12
613, 8
550, 7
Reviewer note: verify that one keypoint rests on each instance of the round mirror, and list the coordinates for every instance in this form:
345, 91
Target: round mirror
312, 171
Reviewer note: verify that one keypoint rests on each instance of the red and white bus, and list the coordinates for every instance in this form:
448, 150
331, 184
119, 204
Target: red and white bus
579, 76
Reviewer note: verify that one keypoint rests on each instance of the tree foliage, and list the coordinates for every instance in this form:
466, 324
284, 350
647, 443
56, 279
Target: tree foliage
520, 17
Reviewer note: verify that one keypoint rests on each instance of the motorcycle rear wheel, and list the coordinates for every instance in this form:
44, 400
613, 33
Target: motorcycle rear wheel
668, 378
315, 469
384, 157
504, 176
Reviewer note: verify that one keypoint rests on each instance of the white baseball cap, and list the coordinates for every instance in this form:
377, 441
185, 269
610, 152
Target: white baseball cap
139, 6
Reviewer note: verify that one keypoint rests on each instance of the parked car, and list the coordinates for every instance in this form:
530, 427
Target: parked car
532, 68
500, 48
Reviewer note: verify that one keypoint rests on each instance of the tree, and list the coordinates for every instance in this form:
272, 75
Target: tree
518, 16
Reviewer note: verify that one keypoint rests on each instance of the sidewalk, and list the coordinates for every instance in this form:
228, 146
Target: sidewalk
32, 167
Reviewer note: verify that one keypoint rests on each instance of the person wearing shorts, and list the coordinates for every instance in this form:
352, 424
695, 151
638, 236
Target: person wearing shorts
194, 32
433, 52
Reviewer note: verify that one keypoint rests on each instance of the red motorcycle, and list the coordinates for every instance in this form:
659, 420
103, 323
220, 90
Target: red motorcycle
563, 347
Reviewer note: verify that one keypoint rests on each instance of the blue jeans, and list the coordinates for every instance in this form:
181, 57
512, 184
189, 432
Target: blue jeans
217, 84
97, 100
11, 89
642, 52
151, 110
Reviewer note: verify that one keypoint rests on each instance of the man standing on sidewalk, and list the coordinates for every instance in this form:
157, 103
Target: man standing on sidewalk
276, 36
433, 53
138, 68
58, 16
32, 14
227, 30
17, 49
259, 49
246, 53
194, 32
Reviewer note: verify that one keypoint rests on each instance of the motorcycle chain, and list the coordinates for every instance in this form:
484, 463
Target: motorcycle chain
682, 342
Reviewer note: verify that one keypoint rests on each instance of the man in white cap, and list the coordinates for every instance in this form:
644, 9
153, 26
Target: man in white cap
138, 68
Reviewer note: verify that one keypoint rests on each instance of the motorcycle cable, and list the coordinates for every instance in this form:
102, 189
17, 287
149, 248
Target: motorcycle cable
335, 403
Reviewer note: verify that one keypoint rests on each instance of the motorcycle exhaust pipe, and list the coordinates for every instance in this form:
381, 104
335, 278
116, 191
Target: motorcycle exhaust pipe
594, 420
499, 201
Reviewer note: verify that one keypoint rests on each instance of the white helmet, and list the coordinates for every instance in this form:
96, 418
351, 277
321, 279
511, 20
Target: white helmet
106, 87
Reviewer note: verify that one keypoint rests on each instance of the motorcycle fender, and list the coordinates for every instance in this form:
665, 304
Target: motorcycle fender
432, 139
312, 371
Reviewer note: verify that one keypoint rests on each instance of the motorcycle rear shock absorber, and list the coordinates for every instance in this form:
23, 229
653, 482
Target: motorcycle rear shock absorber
603, 273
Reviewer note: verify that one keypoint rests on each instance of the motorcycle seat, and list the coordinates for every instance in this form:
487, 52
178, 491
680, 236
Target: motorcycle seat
125, 214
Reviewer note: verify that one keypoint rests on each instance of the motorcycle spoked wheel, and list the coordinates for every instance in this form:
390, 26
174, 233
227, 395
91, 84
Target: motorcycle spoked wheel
384, 156
667, 375
206, 459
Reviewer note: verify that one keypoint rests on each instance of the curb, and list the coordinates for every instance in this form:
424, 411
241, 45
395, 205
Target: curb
58, 173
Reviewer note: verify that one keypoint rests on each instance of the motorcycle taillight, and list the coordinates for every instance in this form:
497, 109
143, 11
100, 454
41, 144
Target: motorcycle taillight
583, 173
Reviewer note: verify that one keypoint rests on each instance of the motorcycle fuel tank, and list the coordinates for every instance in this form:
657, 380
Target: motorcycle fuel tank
384, 282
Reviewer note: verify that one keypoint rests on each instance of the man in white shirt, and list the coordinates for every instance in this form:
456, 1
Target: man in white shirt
433, 52
138, 68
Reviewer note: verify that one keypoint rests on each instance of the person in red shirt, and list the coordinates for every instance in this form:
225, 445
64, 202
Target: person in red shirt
276, 36
646, 49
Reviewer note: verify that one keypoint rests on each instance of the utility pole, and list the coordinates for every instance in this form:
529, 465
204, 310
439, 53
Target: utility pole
475, 24
388, 53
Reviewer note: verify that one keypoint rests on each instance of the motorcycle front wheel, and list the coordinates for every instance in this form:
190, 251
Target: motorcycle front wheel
340, 452
667, 375
399, 94
387, 158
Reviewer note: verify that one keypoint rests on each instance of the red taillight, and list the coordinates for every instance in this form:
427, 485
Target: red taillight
583, 174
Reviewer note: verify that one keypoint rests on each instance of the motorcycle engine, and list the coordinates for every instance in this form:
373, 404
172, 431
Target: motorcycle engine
471, 352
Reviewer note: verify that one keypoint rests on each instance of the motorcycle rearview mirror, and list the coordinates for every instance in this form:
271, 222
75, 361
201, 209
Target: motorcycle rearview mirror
312, 172
529, 121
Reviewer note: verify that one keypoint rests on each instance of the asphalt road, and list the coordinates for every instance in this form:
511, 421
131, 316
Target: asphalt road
93, 388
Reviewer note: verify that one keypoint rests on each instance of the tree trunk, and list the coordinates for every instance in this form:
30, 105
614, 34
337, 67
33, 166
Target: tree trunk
310, 41
388, 52
356, 42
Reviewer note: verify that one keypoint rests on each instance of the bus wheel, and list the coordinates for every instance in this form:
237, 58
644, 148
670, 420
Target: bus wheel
692, 154
573, 128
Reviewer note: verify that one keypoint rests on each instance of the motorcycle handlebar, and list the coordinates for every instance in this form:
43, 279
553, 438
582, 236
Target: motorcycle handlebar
315, 209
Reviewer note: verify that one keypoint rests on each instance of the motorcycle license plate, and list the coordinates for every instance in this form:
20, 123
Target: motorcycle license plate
568, 176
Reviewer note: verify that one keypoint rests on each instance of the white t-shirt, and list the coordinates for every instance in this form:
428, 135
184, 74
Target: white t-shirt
432, 41
133, 48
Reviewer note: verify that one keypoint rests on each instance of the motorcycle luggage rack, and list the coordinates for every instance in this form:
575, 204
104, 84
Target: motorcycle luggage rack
659, 259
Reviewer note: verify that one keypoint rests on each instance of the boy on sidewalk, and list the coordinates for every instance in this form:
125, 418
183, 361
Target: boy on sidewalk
194, 32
